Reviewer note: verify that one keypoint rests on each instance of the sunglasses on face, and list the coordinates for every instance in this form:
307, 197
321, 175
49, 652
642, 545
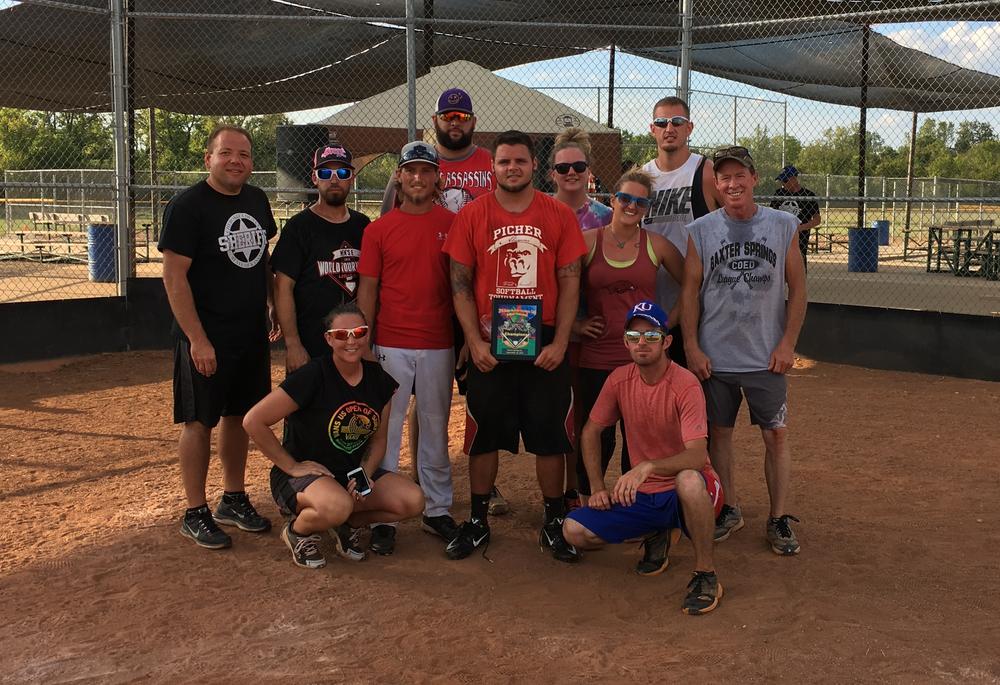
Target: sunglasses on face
626, 199
460, 117
345, 333
326, 173
677, 121
562, 168
649, 336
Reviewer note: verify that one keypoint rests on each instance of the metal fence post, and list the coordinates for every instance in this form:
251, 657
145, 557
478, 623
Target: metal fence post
411, 71
685, 85
118, 98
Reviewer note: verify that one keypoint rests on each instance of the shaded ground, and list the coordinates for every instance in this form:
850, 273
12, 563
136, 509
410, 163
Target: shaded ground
896, 483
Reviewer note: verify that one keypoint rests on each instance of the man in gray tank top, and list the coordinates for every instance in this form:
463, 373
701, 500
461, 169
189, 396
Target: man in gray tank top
740, 334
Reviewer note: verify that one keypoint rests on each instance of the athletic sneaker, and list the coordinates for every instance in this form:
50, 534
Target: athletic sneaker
383, 541
729, 521
654, 559
572, 499
305, 548
781, 537
704, 593
348, 542
471, 534
443, 526
551, 537
498, 505
240, 513
200, 527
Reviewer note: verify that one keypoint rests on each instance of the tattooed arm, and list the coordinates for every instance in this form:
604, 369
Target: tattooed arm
464, 297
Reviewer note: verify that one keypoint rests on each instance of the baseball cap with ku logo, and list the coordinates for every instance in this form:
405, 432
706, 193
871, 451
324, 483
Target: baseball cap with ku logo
332, 153
454, 100
650, 311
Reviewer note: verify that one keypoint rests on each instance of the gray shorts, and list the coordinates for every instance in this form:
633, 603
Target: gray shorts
766, 394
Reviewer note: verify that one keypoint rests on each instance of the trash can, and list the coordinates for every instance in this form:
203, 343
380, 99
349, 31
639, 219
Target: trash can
882, 226
102, 266
862, 249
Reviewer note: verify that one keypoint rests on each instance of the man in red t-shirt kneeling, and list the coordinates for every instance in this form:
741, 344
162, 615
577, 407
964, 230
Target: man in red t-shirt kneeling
671, 483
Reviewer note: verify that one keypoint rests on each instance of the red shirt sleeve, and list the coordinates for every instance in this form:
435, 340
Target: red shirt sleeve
458, 245
370, 263
691, 406
606, 410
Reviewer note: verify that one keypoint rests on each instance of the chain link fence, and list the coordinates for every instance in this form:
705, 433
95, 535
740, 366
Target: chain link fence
905, 97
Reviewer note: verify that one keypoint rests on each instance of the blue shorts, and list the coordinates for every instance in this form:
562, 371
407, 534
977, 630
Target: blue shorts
648, 514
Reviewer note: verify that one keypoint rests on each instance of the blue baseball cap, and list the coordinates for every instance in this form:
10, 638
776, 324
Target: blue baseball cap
650, 311
788, 172
454, 100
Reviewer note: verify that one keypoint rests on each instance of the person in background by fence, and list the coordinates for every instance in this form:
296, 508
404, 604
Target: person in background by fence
740, 334
218, 283
315, 260
406, 293
795, 200
683, 190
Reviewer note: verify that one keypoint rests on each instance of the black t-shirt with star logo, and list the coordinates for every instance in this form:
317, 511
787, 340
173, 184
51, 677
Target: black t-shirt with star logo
335, 420
322, 258
801, 206
226, 238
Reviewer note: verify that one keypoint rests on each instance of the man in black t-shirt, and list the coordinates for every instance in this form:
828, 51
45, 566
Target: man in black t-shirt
315, 260
794, 200
215, 271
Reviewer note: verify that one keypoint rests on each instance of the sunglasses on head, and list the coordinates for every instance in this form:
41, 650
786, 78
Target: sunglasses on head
449, 117
734, 152
649, 336
345, 333
627, 199
677, 121
326, 173
562, 168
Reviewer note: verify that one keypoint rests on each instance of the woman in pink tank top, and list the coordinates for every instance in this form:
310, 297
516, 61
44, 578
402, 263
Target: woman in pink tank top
619, 270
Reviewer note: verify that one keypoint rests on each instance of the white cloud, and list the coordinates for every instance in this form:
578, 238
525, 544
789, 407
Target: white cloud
974, 45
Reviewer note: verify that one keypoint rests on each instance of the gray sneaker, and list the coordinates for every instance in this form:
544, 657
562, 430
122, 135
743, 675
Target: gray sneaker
305, 548
781, 537
729, 521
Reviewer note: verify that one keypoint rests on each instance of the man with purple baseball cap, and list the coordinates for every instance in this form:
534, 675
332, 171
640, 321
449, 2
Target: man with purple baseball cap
670, 483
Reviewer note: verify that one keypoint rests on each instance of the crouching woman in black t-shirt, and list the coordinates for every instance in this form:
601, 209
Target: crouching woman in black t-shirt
335, 406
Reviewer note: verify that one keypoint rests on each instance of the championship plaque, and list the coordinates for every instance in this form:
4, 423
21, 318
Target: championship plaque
516, 333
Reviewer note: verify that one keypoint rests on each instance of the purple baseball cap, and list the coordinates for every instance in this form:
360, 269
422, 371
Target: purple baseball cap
454, 100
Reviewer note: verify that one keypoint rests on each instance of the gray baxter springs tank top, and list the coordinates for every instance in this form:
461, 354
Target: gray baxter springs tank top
742, 287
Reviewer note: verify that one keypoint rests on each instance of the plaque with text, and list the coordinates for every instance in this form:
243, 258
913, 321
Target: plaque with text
516, 333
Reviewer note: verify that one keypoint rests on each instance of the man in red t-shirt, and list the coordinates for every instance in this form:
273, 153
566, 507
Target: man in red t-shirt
524, 248
404, 290
671, 483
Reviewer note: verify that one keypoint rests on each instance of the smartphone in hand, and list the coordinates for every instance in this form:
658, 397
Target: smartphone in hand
362, 485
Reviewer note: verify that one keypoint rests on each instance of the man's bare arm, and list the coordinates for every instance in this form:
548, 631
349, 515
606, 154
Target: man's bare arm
464, 298
181, 299
284, 303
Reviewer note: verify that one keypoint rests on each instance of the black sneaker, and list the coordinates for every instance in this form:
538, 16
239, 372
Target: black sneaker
238, 512
654, 559
305, 548
443, 526
471, 534
200, 527
704, 593
551, 538
348, 542
383, 540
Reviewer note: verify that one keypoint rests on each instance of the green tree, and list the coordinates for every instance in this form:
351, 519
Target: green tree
766, 150
836, 152
972, 133
55, 140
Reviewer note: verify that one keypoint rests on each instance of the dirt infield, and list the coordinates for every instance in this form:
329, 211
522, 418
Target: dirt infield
895, 480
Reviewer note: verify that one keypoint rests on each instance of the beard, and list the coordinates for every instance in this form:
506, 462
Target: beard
511, 188
445, 140
334, 198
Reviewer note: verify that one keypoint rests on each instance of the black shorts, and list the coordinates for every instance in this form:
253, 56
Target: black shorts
676, 349
519, 399
285, 489
241, 379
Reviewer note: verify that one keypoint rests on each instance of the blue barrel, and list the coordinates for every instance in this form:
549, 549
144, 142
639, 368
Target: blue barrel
102, 267
862, 249
882, 226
